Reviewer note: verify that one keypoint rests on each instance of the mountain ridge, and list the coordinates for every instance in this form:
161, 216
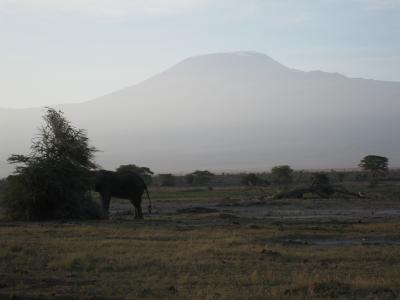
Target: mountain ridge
230, 111
196, 57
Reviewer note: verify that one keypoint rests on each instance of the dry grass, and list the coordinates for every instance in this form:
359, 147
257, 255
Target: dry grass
187, 257
130, 260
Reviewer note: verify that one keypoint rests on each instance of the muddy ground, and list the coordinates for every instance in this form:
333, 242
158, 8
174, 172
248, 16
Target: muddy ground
254, 213
272, 211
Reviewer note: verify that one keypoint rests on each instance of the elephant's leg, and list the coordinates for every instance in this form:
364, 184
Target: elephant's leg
106, 199
137, 203
139, 208
135, 213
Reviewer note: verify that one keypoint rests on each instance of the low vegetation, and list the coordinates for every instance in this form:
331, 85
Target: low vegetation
160, 259
195, 252
52, 181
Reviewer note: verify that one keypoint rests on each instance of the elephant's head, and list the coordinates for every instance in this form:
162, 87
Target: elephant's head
97, 179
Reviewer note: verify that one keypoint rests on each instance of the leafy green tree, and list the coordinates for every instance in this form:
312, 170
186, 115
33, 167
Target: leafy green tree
167, 179
52, 180
282, 175
202, 177
375, 165
143, 172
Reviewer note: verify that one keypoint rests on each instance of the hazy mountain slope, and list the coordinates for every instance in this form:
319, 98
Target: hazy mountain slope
229, 112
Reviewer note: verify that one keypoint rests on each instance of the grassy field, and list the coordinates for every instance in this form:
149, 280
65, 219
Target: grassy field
186, 257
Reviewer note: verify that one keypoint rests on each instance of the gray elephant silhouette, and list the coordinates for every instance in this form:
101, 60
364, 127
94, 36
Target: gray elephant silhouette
125, 185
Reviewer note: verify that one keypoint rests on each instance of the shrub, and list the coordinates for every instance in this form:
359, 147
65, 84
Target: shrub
167, 180
376, 165
282, 175
53, 180
254, 180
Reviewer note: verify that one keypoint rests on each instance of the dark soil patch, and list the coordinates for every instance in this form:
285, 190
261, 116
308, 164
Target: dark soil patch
196, 210
320, 240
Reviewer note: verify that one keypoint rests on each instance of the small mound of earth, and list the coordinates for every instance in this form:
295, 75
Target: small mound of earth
196, 210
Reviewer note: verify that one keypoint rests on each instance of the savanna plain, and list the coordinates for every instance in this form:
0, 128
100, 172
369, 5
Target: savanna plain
225, 243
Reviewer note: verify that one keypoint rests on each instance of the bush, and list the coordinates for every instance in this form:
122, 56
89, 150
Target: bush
282, 175
167, 180
202, 177
320, 180
254, 180
53, 181
3, 183
376, 165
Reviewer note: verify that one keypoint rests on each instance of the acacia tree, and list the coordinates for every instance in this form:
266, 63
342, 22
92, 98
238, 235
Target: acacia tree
199, 177
52, 180
375, 165
282, 175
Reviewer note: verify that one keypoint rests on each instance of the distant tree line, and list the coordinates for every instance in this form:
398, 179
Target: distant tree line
373, 169
52, 181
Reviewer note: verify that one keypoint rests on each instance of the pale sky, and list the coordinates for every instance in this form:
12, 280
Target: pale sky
61, 51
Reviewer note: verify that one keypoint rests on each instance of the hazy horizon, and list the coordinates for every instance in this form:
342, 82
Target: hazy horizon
230, 86
172, 66
230, 111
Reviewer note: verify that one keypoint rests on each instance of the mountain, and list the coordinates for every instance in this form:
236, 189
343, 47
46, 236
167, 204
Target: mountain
230, 112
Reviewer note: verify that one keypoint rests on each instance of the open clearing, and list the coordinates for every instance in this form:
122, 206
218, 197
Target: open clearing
221, 244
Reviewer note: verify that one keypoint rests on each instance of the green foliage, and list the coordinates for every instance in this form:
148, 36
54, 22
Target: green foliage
189, 179
143, 172
167, 180
3, 183
254, 180
282, 174
375, 165
337, 176
52, 180
201, 177
320, 180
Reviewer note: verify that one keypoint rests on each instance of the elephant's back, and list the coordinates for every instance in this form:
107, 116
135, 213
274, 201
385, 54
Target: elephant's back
129, 182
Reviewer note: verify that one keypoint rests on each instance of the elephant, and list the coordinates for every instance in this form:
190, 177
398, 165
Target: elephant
125, 185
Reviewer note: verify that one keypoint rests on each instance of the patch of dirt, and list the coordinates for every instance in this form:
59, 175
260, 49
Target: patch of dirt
270, 253
320, 240
337, 210
228, 216
196, 210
